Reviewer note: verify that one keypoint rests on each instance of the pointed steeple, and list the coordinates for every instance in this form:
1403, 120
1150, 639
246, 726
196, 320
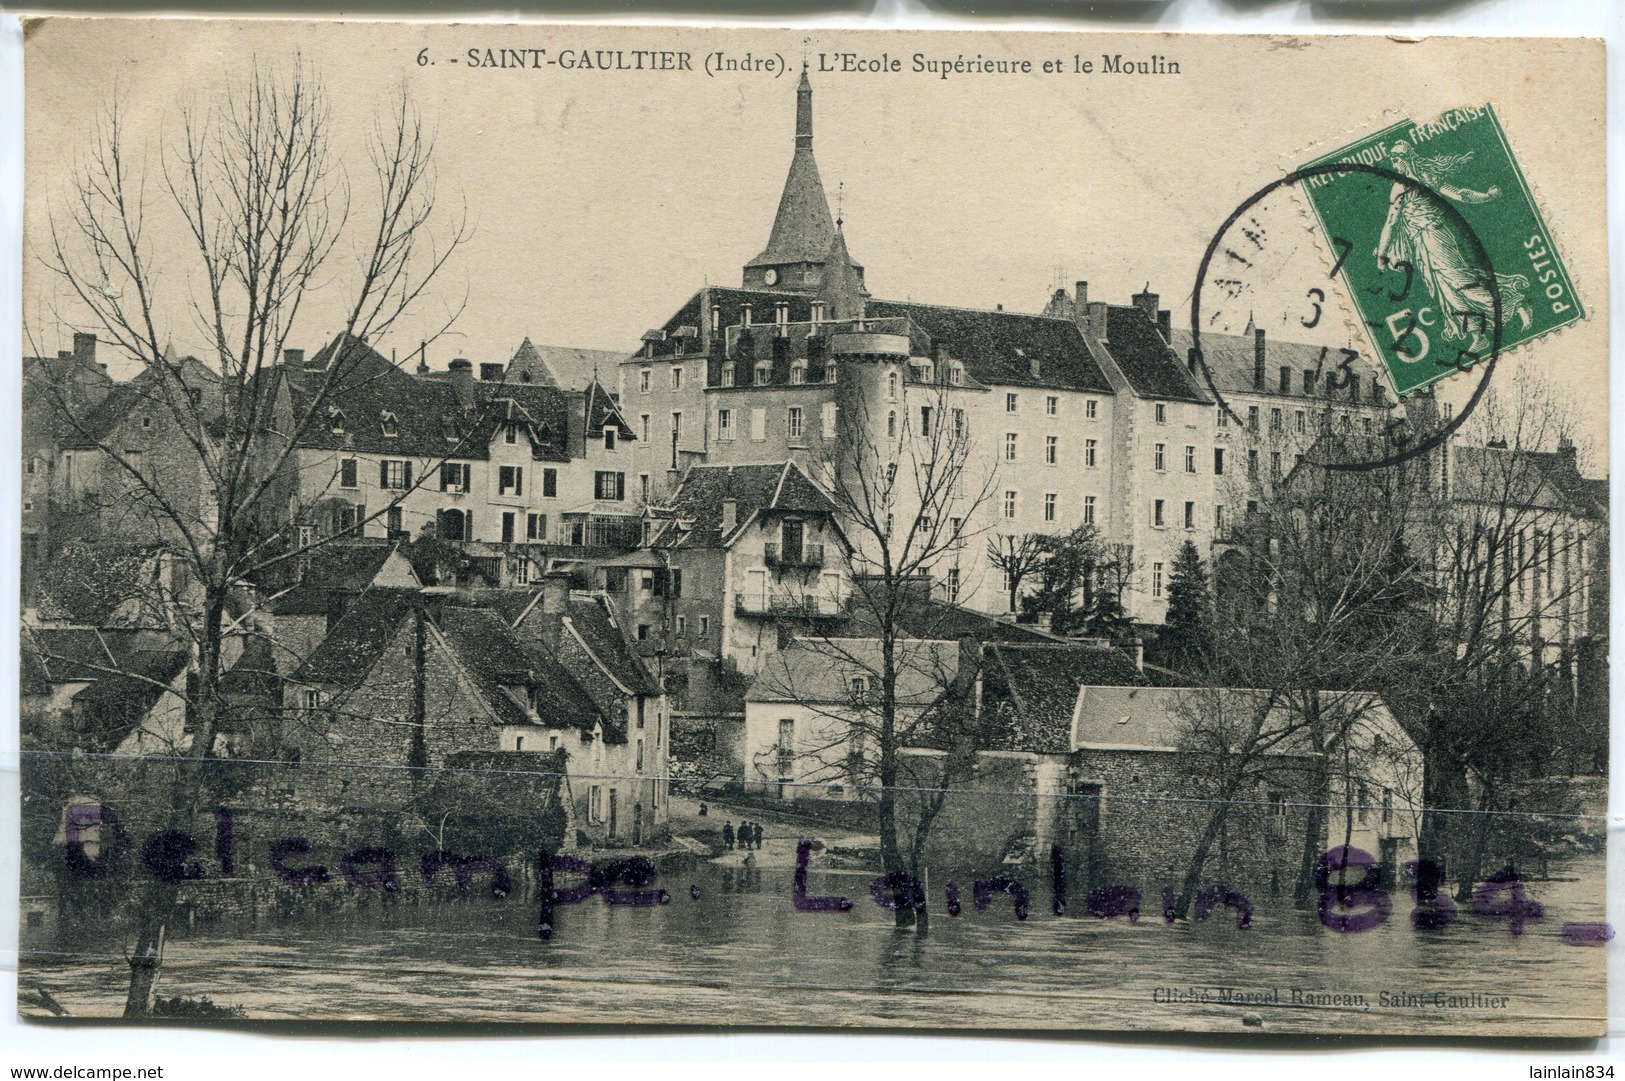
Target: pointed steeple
803, 228
842, 288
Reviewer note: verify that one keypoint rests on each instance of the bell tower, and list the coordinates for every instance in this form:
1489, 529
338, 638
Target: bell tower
803, 229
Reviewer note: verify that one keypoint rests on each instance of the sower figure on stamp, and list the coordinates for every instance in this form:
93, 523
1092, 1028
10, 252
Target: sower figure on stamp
1418, 234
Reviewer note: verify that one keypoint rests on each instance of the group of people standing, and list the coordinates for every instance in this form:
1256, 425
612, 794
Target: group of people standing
747, 837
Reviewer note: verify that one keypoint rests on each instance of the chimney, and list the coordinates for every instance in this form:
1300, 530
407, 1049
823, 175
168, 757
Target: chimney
1146, 301
1565, 449
1097, 318
1165, 324
1190, 359
730, 515
491, 372
293, 358
1258, 358
462, 381
555, 592
84, 348
423, 358
1080, 308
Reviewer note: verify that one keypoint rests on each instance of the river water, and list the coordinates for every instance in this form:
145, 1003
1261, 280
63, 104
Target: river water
740, 954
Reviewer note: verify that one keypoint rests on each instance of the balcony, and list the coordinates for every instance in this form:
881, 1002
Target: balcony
806, 555
784, 606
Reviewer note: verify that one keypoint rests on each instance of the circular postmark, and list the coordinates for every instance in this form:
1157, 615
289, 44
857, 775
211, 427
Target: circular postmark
1404, 446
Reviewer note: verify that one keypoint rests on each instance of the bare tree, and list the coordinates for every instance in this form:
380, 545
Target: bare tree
1017, 558
910, 505
267, 214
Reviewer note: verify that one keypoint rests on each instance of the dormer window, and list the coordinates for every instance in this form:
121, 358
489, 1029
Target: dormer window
764, 372
448, 425
716, 318
745, 316
798, 374
510, 432
609, 438
817, 312
335, 419
387, 420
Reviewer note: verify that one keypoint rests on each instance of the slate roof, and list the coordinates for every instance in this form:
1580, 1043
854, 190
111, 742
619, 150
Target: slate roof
697, 504
254, 676
821, 672
334, 568
1229, 359
55, 389
116, 704
1029, 692
496, 659
356, 642
1529, 478
1158, 718
590, 618
425, 414
1150, 364
922, 616
803, 225
1000, 347
563, 366
59, 655
156, 388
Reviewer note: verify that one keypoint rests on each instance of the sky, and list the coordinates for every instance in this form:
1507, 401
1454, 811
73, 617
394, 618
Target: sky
600, 200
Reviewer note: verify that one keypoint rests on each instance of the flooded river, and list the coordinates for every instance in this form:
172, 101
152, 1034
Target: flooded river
740, 954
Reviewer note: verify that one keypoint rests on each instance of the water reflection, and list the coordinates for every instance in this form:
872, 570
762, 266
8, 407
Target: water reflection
739, 954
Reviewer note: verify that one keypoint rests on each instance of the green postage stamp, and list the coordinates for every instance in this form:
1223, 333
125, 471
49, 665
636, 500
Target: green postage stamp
1437, 236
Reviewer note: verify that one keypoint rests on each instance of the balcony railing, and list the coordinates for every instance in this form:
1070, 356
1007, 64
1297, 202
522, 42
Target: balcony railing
807, 555
784, 605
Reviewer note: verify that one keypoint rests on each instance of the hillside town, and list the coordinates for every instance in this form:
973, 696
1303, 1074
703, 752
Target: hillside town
933, 586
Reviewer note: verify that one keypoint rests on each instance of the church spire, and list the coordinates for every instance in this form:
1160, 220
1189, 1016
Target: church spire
804, 111
803, 227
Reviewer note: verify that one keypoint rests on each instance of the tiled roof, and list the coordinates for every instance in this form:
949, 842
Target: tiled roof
1146, 361
354, 645
497, 659
67, 654
1230, 360
1165, 718
116, 704
1528, 478
1002, 348
254, 676
1029, 692
820, 671
919, 615
560, 365
590, 618
698, 500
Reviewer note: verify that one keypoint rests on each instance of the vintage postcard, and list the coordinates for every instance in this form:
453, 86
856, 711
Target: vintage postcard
665, 525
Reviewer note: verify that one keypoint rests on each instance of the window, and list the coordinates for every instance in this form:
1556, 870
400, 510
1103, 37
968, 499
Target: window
1051, 448
1159, 458
1049, 506
1218, 517
1275, 418
335, 419
676, 579
725, 424
1009, 446
1252, 465
1088, 510
1156, 579
1157, 518
1009, 403
682, 626
925, 420
510, 432
511, 480
1190, 459
643, 381
951, 585
956, 374
1252, 418
859, 686
959, 424
705, 626
609, 438
1286, 379
1387, 805
1190, 515
830, 412
1299, 422
1275, 465
595, 803
891, 424
507, 527
453, 524
1218, 461
536, 527
394, 475
608, 484
758, 424
643, 487
550, 483
643, 427
1089, 453
1224, 416
798, 374
727, 375
347, 473
643, 632
793, 422
1010, 503
387, 421
891, 386
454, 476
393, 521
764, 373
1162, 412
1052, 405
1091, 408
676, 377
